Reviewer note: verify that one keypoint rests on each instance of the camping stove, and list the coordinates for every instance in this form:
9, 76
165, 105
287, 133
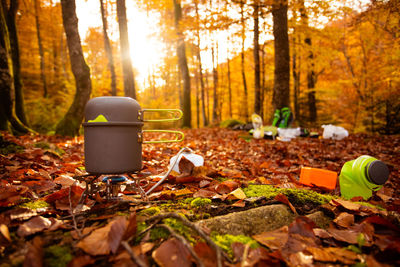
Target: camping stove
113, 139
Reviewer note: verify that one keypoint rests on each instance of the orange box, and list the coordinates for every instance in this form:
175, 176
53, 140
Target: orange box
318, 177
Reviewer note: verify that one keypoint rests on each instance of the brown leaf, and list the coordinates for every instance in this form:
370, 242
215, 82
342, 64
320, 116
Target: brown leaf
282, 198
239, 204
274, 239
172, 253
131, 228
349, 205
97, 242
344, 220
81, 261
4, 231
333, 254
34, 225
206, 254
226, 187
348, 236
116, 233
204, 193
300, 259
34, 256
302, 226
185, 166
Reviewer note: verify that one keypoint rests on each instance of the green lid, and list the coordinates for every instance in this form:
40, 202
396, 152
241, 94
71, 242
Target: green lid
377, 172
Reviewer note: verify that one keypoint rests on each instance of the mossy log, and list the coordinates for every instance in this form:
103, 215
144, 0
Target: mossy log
257, 220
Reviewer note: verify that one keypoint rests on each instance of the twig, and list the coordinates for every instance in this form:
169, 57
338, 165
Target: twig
195, 228
135, 258
184, 242
245, 254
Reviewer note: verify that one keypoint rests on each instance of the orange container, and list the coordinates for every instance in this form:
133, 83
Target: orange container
318, 177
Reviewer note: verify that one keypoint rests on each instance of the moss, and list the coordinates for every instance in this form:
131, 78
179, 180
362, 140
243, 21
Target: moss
369, 205
296, 196
225, 241
43, 145
7, 147
33, 205
200, 202
150, 211
58, 256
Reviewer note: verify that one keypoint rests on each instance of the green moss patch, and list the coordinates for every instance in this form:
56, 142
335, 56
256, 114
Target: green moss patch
296, 196
57, 256
33, 205
200, 202
225, 241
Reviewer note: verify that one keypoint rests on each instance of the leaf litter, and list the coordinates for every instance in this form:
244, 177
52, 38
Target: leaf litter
103, 232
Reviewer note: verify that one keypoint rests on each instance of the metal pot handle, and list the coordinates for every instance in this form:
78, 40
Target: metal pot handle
179, 137
176, 112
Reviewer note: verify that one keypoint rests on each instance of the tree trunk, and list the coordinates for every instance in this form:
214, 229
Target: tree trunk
8, 119
281, 75
311, 77
71, 122
41, 52
183, 66
215, 86
312, 104
256, 50
129, 78
18, 87
202, 89
245, 103
107, 46
197, 101
229, 84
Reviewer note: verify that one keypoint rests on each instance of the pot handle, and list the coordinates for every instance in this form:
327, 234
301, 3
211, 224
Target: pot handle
177, 112
179, 136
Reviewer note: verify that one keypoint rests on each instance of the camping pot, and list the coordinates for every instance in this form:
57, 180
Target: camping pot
114, 136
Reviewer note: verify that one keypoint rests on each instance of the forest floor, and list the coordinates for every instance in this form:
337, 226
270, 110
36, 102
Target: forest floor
204, 216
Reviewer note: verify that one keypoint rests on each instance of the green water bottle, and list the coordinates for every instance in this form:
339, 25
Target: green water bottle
359, 177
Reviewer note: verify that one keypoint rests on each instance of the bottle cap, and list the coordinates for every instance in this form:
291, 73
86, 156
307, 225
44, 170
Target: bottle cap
378, 172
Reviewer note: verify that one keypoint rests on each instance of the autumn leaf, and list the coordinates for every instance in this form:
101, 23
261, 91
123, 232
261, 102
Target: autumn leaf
34, 225
273, 239
344, 219
34, 255
172, 253
105, 239
282, 198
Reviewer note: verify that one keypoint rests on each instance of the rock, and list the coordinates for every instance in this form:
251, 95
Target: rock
250, 222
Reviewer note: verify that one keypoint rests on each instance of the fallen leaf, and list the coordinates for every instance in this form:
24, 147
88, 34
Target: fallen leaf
131, 228
348, 236
34, 256
116, 233
273, 239
34, 225
185, 166
237, 194
206, 254
344, 219
205, 193
239, 204
282, 198
226, 187
4, 231
97, 242
172, 253
82, 261
333, 254
300, 259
